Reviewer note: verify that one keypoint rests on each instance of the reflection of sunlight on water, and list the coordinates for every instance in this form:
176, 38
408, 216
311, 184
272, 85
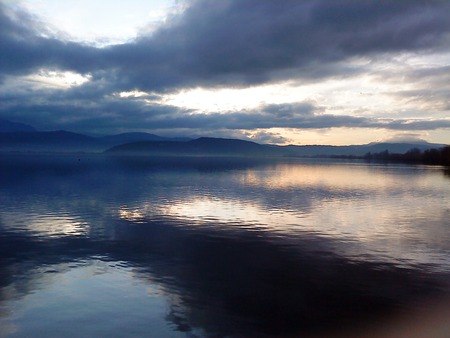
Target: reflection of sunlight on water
334, 176
59, 224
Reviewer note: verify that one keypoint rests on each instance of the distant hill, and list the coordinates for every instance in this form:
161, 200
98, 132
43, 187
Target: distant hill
24, 138
401, 148
50, 141
356, 150
64, 141
14, 127
114, 140
204, 146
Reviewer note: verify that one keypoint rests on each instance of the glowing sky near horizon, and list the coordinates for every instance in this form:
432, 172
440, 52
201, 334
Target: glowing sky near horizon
304, 72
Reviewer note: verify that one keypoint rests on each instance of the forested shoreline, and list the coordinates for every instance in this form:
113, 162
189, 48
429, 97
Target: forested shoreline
430, 156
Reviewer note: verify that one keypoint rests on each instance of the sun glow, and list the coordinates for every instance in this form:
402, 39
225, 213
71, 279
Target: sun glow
362, 95
237, 99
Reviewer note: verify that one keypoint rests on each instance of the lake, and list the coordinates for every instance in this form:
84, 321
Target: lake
97, 246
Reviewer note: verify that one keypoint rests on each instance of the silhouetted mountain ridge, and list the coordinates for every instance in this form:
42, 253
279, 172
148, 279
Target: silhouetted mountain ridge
203, 146
113, 140
13, 127
23, 138
207, 146
60, 140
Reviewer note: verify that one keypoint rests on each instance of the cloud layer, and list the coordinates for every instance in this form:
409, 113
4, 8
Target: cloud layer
227, 44
235, 42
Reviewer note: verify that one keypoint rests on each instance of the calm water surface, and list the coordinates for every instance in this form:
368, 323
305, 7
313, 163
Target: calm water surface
94, 246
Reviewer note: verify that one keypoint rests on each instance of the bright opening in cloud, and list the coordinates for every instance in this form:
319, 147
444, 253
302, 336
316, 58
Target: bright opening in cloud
133, 93
102, 22
57, 79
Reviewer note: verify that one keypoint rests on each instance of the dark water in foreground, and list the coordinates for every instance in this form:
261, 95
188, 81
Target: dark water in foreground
92, 247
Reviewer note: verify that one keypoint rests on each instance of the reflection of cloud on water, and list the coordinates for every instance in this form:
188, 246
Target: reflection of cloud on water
298, 199
133, 215
208, 279
218, 246
94, 294
43, 224
219, 209
358, 178
356, 228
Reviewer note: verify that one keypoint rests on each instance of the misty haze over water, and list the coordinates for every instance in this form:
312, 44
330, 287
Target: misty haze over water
92, 245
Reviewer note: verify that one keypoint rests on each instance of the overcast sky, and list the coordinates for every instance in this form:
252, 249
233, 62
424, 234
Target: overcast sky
286, 71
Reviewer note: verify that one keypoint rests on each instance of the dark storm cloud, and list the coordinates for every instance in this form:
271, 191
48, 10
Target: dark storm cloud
220, 43
253, 41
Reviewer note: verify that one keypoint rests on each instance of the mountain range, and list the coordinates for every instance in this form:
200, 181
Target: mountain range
206, 146
24, 138
20, 137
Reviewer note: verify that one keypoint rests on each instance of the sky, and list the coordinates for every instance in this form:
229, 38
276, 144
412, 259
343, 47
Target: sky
285, 72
